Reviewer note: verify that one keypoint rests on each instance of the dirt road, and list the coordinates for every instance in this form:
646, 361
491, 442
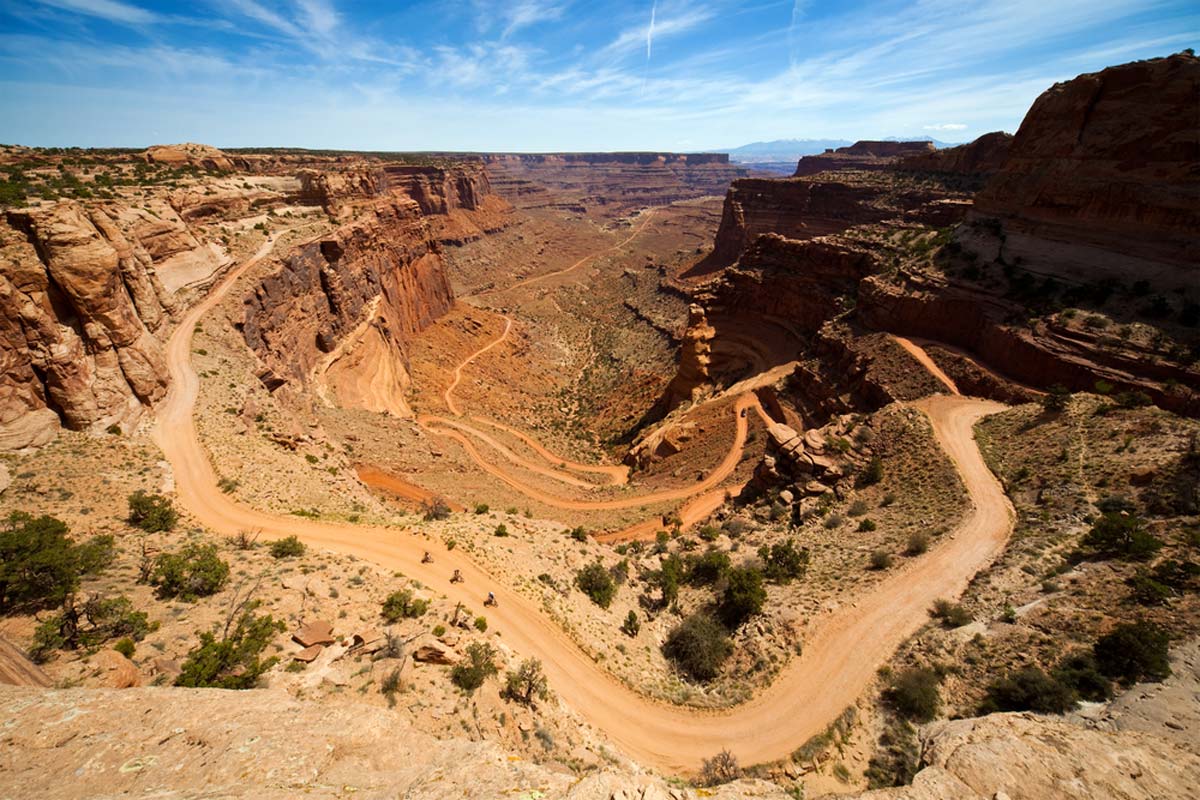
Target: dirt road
841, 652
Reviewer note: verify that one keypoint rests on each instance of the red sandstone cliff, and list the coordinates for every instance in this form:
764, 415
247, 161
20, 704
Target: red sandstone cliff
984, 156
80, 301
1103, 179
865, 155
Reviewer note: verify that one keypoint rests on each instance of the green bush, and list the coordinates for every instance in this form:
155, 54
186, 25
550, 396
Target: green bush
632, 625
39, 564
401, 604
89, 625
881, 559
1079, 672
914, 694
873, 474
290, 547
918, 543
481, 624
866, 526
152, 513
743, 597
195, 571
783, 561
708, 568
951, 614
698, 646
594, 581
233, 661
1056, 398
1121, 535
1134, 651
481, 508
435, 508
527, 682
501, 530
667, 579
126, 647
578, 534
1028, 689
479, 665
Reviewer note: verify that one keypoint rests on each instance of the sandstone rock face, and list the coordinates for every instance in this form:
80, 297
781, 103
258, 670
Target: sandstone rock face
866, 155
695, 355
81, 299
796, 209
611, 183
984, 156
1102, 179
373, 284
191, 154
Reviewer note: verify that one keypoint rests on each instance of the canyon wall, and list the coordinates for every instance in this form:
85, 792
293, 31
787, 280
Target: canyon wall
82, 300
611, 184
864, 155
1103, 179
984, 156
351, 302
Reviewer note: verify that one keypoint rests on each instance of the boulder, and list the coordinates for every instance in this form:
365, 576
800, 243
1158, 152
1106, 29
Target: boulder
319, 632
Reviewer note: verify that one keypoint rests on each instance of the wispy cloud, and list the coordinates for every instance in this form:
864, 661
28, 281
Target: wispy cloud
667, 24
946, 126
110, 10
529, 12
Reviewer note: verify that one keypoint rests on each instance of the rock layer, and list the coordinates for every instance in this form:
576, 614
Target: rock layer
81, 301
1103, 179
864, 155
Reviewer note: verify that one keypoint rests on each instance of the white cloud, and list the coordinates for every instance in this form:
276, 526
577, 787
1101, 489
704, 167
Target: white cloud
110, 10
946, 126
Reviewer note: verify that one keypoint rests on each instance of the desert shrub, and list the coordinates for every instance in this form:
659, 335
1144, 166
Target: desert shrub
501, 530
866, 526
707, 569
1133, 651
918, 543
1146, 591
39, 564
881, 559
1028, 689
721, 768
632, 625
858, 508
897, 759
709, 533
1121, 535
195, 571
783, 561
667, 579
234, 661
951, 614
435, 508
1055, 399
390, 685
578, 534
698, 646
401, 604
290, 547
153, 513
89, 625
526, 682
125, 646
479, 665
834, 521
914, 694
595, 581
481, 508
873, 474
1079, 672
481, 624
743, 597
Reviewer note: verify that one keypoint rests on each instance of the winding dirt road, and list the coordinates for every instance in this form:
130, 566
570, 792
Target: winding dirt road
841, 652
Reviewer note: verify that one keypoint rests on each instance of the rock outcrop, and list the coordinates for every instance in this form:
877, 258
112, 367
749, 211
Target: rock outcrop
190, 154
695, 355
984, 156
612, 184
81, 301
1102, 179
864, 155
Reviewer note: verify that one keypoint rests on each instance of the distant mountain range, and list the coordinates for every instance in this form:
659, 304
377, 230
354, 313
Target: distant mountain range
790, 150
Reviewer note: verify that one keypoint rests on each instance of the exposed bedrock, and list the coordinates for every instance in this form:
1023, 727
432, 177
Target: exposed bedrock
383, 268
984, 156
1103, 179
1041, 354
81, 299
864, 155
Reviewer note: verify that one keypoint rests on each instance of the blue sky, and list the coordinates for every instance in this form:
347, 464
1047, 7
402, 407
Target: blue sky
550, 74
